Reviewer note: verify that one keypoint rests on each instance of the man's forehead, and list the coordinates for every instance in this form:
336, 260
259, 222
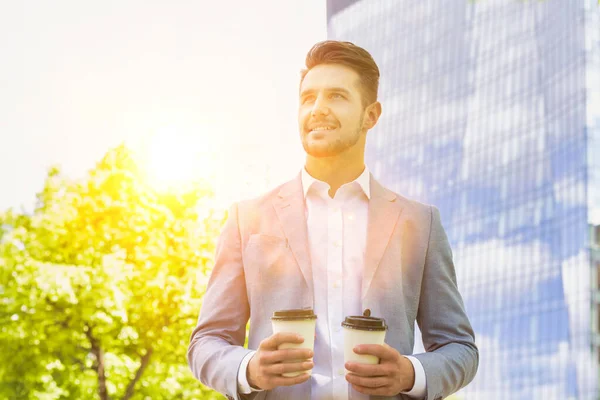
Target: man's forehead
330, 76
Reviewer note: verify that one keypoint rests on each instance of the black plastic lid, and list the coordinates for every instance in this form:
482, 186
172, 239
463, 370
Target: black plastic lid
299, 313
363, 323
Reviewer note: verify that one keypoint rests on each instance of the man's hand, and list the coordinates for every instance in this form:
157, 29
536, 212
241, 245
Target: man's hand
268, 363
393, 374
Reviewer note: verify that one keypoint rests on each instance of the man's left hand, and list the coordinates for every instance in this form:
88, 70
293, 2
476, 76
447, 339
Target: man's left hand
394, 373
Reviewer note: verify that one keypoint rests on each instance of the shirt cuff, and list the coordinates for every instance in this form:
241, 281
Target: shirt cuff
419, 389
242, 382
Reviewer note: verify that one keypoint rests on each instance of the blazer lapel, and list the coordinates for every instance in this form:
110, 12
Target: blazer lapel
384, 211
290, 208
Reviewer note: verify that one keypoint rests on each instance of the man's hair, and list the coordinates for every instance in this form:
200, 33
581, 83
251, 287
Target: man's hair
350, 55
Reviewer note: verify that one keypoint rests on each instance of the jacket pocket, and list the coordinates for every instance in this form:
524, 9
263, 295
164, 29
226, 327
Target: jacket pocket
266, 253
258, 239
272, 273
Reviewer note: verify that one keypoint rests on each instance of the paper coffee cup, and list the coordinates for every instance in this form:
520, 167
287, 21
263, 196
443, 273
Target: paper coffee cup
301, 321
362, 330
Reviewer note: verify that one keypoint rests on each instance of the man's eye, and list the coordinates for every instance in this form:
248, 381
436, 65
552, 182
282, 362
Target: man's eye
307, 99
336, 96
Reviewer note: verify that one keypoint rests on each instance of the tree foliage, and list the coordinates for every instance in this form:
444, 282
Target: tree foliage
100, 287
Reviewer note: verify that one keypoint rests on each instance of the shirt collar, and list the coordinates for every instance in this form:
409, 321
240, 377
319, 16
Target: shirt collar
363, 181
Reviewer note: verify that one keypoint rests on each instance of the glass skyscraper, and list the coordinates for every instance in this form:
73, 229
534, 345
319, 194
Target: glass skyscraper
491, 112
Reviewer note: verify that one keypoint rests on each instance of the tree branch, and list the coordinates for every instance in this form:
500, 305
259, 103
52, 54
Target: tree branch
99, 364
138, 374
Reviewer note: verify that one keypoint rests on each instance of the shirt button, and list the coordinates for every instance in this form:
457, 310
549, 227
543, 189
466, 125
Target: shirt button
337, 243
336, 284
341, 372
351, 217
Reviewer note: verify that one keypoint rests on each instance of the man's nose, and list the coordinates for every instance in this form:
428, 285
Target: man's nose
320, 107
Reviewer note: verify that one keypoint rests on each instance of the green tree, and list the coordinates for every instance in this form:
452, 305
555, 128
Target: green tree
100, 287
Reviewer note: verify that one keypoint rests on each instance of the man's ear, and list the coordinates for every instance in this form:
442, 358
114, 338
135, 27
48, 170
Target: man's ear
372, 114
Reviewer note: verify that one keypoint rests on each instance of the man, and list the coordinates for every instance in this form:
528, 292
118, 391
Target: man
334, 240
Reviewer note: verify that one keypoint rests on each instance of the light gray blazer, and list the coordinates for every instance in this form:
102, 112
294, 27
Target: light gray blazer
263, 264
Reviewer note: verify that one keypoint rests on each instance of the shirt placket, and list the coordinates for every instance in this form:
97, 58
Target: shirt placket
335, 303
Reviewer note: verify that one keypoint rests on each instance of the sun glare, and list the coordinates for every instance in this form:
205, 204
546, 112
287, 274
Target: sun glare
174, 159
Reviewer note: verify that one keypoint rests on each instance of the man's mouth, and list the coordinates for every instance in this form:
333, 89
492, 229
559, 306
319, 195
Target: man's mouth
321, 129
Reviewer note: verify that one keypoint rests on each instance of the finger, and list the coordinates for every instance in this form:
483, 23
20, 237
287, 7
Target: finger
383, 352
366, 381
286, 355
367, 369
284, 381
282, 368
273, 341
380, 391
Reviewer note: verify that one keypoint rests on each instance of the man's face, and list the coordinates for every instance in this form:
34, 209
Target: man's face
331, 113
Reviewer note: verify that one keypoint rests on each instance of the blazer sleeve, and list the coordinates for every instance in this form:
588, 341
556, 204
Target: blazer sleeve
451, 357
216, 347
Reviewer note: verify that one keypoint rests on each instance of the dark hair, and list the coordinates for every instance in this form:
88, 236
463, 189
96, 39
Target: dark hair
350, 55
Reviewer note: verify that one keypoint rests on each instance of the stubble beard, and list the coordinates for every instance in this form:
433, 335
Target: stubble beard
332, 149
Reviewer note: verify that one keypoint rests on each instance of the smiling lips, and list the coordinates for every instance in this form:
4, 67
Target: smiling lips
321, 128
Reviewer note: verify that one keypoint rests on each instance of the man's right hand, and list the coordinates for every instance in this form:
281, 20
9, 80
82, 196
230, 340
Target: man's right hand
268, 364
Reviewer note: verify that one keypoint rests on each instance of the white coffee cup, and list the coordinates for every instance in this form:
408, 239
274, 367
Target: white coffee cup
301, 321
362, 330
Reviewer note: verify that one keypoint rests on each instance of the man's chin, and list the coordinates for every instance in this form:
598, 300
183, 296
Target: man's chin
320, 152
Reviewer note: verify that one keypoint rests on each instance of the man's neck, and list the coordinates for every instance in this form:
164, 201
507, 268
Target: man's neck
336, 171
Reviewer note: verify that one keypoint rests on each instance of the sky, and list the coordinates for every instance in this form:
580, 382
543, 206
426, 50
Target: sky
199, 89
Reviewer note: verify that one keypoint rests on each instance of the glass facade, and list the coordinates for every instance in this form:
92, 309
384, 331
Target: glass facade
491, 112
